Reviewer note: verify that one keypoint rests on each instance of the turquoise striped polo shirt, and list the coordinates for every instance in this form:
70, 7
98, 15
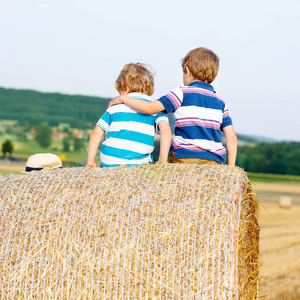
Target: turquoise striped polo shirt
130, 134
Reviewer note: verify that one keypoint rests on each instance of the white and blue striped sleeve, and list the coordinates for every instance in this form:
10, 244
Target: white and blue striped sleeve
160, 117
105, 121
172, 101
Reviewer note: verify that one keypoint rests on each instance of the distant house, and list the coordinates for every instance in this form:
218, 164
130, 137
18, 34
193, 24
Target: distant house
58, 135
31, 134
64, 126
76, 133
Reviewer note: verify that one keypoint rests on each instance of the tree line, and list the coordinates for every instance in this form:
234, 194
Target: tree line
275, 158
265, 157
43, 137
34, 108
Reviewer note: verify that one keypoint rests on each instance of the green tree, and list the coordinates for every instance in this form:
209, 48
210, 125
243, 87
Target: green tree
35, 108
293, 162
66, 144
78, 144
7, 148
43, 135
276, 158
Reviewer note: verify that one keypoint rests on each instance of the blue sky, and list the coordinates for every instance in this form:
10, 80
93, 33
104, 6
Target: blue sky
79, 47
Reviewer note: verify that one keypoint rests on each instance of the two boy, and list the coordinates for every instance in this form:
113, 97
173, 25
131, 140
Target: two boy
200, 115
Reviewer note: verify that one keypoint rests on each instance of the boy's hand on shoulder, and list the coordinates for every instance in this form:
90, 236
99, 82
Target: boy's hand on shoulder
117, 100
114, 101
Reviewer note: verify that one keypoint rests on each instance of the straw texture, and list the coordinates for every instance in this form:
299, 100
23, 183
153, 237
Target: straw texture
175, 231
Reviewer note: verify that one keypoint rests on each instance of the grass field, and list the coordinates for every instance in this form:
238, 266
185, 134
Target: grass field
26, 148
273, 178
279, 252
7, 168
279, 237
280, 232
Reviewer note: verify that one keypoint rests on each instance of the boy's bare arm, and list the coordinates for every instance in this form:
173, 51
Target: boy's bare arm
231, 144
165, 142
138, 105
95, 139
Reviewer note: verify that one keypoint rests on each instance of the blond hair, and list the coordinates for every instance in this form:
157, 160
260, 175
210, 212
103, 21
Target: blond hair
202, 63
137, 77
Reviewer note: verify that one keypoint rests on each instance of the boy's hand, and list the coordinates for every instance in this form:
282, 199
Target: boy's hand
91, 165
159, 162
114, 101
117, 100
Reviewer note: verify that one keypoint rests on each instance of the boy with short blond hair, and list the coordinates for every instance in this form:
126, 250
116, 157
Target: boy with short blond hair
200, 115
130, 134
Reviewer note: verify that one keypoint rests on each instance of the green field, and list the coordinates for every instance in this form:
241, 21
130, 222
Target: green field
24, 149
261, 177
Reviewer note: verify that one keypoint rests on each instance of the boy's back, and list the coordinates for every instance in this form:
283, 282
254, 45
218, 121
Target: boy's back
200, 115
130, 134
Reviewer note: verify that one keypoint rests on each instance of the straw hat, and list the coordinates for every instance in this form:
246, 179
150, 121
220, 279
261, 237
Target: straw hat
42, 161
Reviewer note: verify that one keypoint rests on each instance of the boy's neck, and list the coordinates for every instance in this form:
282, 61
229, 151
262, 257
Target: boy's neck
137, 94
202, 84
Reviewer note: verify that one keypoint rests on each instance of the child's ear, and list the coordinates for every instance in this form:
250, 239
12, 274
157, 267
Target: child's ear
188, 72
125, 91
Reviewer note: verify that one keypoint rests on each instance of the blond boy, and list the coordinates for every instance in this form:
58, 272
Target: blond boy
130, 134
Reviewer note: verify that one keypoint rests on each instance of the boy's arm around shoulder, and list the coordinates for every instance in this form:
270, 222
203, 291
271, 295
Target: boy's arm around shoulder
231, 144
138, 105
165, 142
95, 139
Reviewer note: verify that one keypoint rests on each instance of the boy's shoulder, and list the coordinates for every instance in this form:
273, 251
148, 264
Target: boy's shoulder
203, 89
117, 108
140, 96
193, 90
197, 87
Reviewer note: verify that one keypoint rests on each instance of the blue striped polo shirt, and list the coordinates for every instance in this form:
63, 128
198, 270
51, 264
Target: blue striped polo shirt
130, 134
200, 116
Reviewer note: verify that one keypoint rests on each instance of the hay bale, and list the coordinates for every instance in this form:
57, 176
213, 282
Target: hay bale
285, 202
174, 231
